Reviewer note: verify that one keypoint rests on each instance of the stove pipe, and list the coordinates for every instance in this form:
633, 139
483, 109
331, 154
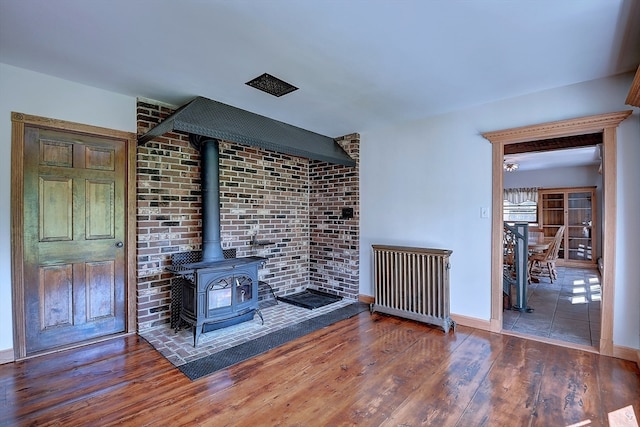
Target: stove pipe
210, 186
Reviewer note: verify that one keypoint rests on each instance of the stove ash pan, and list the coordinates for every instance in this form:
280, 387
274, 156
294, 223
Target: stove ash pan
218, 294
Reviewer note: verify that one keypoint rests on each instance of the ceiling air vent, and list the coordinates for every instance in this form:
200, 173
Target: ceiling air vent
272, 85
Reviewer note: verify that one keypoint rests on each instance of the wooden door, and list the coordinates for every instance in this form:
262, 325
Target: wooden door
74, 235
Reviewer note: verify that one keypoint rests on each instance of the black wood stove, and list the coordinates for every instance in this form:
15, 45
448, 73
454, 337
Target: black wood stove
213, 295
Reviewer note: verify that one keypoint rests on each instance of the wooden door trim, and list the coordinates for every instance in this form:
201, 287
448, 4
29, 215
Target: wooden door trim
605, 123
18, 123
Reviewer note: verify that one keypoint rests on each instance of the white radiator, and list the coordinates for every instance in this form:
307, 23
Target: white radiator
413, 283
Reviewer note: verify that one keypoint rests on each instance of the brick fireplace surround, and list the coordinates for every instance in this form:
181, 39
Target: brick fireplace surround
290, 206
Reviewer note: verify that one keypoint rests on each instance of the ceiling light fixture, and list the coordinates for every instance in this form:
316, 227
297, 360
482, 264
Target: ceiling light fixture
510, 167
271, 85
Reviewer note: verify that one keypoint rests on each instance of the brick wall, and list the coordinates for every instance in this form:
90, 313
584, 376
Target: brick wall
266, 209
264, 198
334, 246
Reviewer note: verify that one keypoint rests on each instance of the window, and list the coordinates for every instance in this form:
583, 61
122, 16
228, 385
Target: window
520, 212
520, 204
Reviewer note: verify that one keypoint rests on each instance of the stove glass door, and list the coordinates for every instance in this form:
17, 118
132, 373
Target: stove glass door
219, 294
244, 290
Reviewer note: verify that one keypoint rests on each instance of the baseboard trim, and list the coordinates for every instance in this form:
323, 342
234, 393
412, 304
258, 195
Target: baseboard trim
627, 353
367, 299
6, 356
472, 322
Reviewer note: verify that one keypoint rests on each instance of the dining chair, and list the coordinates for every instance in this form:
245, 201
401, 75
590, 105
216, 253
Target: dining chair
546, 261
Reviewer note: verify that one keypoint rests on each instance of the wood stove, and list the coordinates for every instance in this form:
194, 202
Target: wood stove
218, 294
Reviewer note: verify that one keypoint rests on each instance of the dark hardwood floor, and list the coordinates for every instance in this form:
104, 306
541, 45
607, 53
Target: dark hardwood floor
369, 370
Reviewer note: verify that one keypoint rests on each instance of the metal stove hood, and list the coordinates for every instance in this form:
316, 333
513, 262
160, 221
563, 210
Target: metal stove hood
209, 118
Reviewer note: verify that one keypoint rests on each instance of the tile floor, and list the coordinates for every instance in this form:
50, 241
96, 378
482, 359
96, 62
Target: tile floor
178, 346
567, 310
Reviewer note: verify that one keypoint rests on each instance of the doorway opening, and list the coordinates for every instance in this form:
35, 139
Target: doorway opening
605, 124
554, 186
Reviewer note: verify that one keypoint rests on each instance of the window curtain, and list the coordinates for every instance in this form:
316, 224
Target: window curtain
519, 195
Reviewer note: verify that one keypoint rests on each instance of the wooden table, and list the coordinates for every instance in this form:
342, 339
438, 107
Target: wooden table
535, 247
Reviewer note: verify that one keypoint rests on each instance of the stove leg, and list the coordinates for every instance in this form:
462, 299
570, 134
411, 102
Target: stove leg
260, 314
196, 334
261, 283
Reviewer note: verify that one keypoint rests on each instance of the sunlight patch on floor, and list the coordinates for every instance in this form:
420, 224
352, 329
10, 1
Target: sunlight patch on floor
623, 417
586, 290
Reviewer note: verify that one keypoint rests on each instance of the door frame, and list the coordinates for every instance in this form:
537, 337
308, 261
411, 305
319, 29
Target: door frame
601, 123
18, 123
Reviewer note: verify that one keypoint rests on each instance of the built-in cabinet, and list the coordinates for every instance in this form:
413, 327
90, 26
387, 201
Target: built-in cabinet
575, 208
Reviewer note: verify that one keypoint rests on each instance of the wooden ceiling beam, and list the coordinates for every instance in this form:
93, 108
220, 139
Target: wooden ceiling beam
633, 98
575, 141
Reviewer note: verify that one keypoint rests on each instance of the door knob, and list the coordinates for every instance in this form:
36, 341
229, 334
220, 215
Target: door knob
119, 245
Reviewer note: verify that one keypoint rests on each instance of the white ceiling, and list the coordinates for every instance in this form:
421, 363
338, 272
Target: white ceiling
583, 156
359, 64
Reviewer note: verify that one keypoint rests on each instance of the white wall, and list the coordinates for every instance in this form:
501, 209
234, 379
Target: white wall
626, 317
423, 184
41, 95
